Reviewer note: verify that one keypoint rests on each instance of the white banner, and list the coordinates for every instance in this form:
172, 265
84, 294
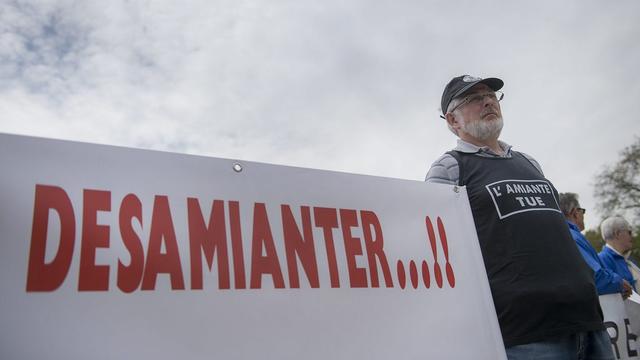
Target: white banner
621, 325
114, 253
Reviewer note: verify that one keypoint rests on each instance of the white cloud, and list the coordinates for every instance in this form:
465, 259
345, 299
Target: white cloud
351, 86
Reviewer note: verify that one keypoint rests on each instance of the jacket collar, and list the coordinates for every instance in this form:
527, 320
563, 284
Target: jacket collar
573, 226
615, 252
469, 148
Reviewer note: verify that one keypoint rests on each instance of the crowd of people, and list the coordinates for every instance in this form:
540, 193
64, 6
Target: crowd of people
545, 277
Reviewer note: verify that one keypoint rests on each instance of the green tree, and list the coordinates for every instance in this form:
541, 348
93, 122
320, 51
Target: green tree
595, 238
617, 187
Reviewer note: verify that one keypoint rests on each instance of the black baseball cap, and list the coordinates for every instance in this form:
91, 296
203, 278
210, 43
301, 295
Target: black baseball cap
460, 84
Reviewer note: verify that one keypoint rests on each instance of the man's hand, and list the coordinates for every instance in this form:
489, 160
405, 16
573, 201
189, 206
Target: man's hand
626, 289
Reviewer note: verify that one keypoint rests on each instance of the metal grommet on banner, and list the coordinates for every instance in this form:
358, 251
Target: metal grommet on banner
456, 189
237, 167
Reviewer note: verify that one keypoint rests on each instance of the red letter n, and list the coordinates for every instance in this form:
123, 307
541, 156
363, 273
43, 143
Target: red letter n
296, 244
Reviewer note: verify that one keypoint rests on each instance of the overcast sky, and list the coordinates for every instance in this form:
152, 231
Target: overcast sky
340, 85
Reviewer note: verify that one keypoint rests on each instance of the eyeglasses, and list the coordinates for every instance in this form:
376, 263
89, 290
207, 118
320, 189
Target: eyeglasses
478, 98
581, 210
625, 232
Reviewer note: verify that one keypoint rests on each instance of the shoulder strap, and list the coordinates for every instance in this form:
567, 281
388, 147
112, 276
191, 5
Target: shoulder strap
526, 158
456, 155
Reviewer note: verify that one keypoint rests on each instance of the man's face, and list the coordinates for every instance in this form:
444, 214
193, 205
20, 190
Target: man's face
480, 120
578, 217
624, 240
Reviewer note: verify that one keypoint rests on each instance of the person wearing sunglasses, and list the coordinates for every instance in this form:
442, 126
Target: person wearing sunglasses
618, 237
607, 281
544, 293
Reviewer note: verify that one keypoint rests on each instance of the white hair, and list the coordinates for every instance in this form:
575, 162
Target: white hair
454, 102
611, 225
568, 201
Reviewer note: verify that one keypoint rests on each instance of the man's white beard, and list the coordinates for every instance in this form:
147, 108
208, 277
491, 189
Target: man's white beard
483, 130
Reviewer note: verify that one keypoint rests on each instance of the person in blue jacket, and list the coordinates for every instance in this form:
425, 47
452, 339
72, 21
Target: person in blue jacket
607, 281
617, 234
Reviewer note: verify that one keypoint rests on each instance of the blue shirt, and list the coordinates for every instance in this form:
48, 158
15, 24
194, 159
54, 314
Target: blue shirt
616, 263
607, 281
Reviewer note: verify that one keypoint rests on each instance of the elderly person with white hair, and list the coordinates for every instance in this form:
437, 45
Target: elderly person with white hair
616, 232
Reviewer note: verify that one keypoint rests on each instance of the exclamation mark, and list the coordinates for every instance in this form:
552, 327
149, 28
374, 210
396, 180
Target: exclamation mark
432, 240
425, 274
445, 248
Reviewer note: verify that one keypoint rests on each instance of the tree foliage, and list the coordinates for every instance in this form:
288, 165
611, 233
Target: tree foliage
617, 187
595, 238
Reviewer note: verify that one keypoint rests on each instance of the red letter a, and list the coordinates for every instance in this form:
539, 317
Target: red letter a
262, 237
157, 262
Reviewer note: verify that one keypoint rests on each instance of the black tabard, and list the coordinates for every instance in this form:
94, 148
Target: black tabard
541, 286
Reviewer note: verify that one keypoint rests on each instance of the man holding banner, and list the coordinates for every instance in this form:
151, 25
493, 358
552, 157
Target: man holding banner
544, 293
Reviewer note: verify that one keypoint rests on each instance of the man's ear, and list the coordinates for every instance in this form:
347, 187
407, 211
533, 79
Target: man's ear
452, 121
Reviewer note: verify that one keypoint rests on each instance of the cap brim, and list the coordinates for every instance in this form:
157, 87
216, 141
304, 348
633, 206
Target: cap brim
494, 83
